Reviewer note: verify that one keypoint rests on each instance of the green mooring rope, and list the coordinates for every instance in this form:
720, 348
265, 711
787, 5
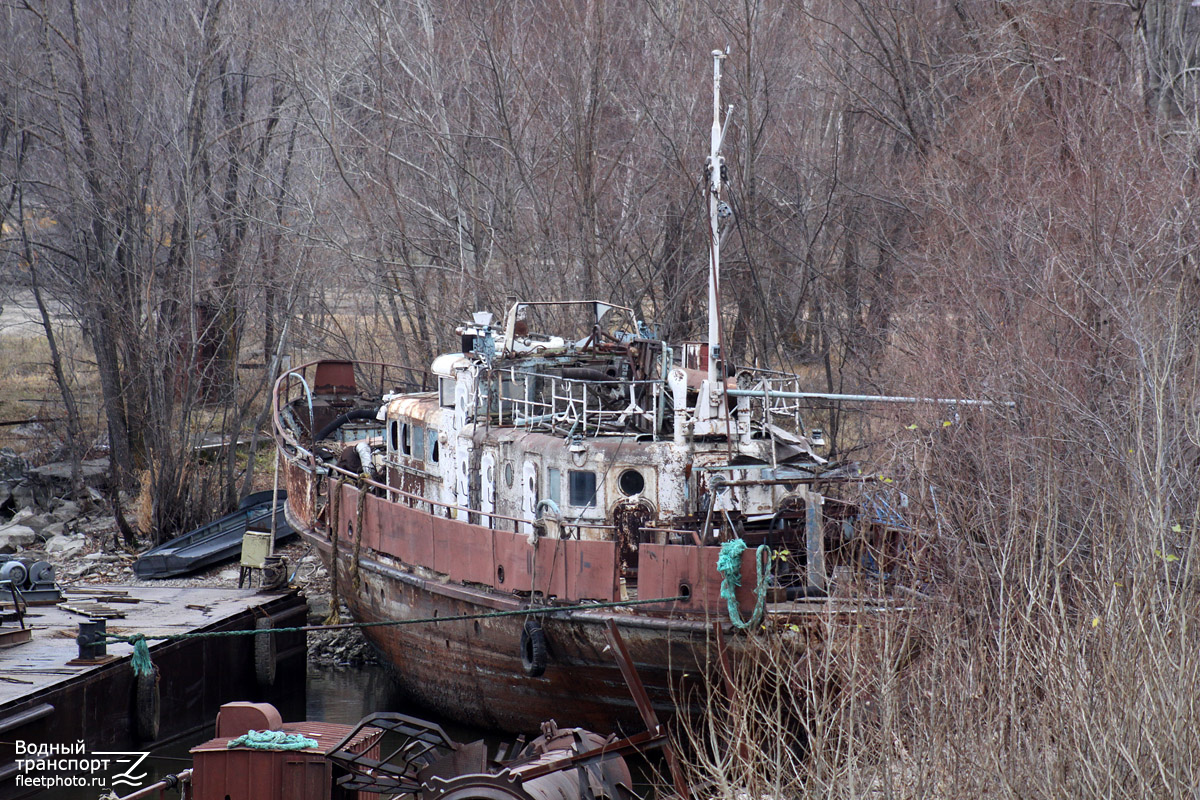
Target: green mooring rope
729, 564
141, 650
273, 740
141, 656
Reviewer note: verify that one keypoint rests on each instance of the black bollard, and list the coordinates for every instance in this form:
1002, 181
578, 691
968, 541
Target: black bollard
91, 639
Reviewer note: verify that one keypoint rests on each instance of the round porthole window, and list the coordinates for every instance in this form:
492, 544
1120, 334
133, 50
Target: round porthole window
508, 474
631, 482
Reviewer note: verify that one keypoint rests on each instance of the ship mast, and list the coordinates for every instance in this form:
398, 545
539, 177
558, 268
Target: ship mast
715, 177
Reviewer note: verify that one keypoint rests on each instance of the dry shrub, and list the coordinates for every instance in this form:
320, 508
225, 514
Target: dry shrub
143, 505
802, 713
1052, 264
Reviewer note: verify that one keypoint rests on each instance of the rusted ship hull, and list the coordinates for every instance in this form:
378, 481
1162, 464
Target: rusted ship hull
472, 670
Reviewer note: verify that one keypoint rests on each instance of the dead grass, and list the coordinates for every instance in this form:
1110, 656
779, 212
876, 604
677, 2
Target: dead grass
28, 390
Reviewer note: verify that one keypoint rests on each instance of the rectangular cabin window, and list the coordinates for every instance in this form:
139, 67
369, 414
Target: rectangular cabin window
446, 392
431, 444
406, 439
418, 442
583, 487
555, 493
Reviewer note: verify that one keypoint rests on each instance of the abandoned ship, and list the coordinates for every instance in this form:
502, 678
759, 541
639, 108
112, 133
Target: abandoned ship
565, 469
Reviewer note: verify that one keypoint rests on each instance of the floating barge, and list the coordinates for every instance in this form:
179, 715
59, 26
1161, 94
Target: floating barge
48, 697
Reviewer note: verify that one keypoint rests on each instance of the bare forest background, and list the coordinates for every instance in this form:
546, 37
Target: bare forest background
977, 199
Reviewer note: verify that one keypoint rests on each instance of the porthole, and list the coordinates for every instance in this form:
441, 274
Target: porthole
509, 474
631, 482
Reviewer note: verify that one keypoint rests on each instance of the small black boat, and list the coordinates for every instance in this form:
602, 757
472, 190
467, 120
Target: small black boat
215, 542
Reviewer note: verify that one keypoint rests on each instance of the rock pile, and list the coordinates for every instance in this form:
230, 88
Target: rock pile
55, 531
37, 523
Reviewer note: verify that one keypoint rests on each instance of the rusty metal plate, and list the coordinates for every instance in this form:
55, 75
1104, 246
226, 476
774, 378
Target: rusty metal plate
335, 377
348, 522
650, 572
592, 571
406, 533
463, 551
664, 568
299, 498
549, 564
512, 556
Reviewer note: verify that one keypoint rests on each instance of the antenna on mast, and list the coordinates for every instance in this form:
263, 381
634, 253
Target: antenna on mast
715, 175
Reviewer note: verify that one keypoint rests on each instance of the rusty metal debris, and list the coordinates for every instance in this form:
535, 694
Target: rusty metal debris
562, 763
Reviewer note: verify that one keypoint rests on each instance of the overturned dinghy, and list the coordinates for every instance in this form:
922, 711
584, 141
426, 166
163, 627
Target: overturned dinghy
217, 541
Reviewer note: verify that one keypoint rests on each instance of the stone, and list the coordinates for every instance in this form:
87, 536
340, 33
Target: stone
66, 546
228, 575
318, 608
101, 558
105, 523
31, 519
12, 465
16, 537
52, 530
82, 570
22, 494
66, 511
93, 471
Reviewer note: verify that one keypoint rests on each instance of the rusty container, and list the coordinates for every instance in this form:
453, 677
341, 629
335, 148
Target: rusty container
221, 773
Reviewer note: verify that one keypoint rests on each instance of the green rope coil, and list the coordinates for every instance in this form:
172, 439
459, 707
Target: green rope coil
273, 740
729, 564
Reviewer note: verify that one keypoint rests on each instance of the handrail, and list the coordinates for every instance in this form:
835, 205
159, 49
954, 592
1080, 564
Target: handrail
333, 468
768, 393
567, 400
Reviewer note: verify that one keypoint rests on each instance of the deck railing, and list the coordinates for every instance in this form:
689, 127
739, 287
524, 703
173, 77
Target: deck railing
571, 406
